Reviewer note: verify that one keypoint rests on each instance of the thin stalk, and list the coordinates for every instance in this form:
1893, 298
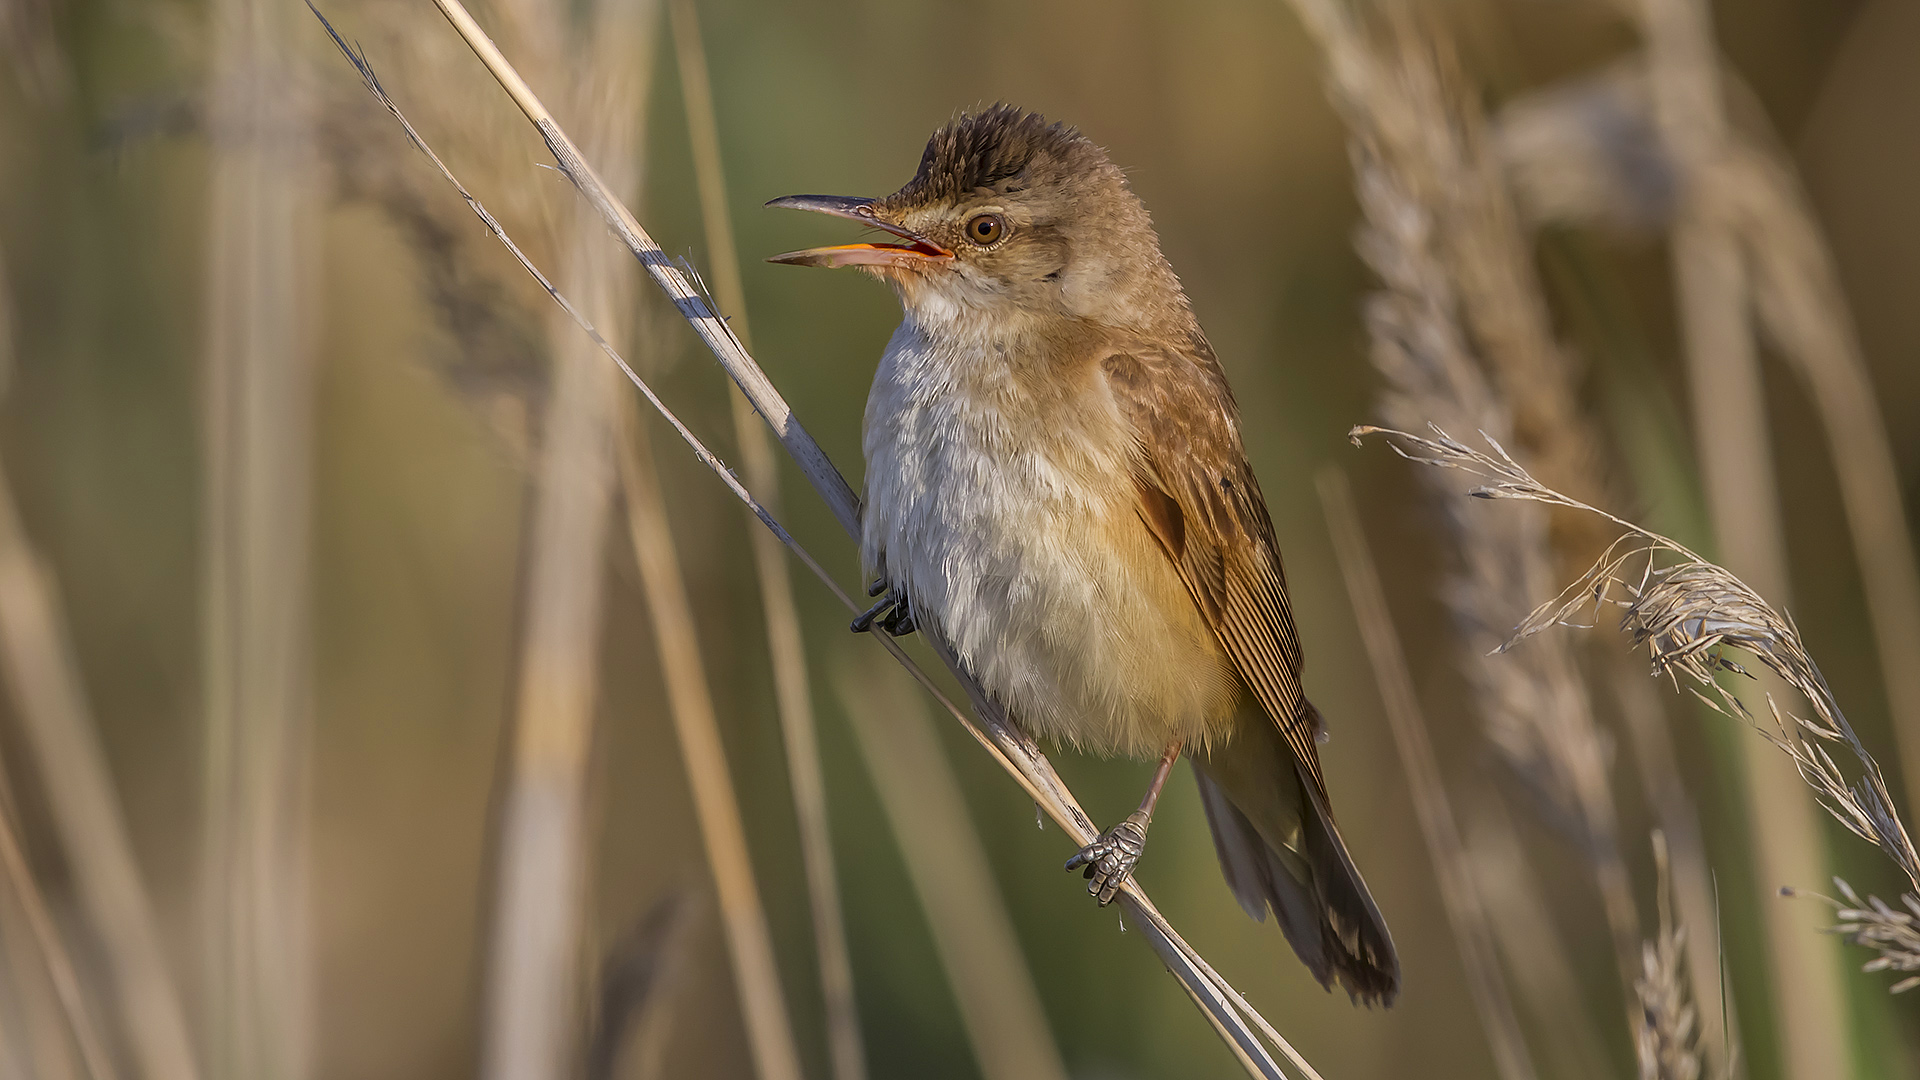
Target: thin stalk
1799, 302
1542, 973
255, 934
709, 325
756, 974
1239, 1025
1460, 893
53, 953
33, 1013
534, 940
793, 695
1736, 460
972, 932
43, 679
1458, 329
532, 999
34, 1033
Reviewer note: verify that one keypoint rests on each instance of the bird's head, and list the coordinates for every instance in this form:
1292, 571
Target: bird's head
1009, 217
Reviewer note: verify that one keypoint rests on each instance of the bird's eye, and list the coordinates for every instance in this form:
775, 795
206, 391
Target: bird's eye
986, 229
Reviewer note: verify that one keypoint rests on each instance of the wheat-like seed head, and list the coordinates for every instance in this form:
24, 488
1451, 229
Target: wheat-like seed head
1666, 1037
1690, 614
1875, 924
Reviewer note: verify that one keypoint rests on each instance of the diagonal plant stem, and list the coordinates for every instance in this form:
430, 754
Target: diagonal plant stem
34, 1038
53, 952
1239, 1025
43, 682
756, 973
1440, 234
1460, 892
785, 647
972, 932
542, 870
1736, 462
1588, 152
1799, 302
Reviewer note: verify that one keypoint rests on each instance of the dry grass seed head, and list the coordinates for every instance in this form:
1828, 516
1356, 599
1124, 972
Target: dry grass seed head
1688, 613
1666, 1037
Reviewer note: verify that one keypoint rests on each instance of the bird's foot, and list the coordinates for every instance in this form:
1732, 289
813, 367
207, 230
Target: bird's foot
1111, 858
892, 613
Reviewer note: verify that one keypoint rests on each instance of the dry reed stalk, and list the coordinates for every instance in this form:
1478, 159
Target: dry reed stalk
533, 950
43, 679
1590, 151
53, 953
756, 973
1418, 141
999, 1005
1587, 152
784, 641
1543, 974
35, 1041
1450, 165
1246, 1033
532, 994
1688, 613
1503, 303
1736, 463
495, 357
34, 1030
1799, 303
47, 693
1459, 891
255, 932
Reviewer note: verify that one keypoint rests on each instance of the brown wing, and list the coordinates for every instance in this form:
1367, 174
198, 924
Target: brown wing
1199, 497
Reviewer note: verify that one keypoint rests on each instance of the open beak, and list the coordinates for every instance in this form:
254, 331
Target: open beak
916, 252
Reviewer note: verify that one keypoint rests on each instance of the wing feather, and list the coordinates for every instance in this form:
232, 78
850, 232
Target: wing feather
1199, 497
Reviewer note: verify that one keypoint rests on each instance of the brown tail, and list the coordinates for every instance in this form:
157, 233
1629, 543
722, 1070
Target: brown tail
1279, 849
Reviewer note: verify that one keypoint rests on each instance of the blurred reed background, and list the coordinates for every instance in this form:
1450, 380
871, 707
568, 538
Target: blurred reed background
385, 697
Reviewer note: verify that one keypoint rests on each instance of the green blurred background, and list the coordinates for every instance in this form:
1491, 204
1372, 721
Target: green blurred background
421, 488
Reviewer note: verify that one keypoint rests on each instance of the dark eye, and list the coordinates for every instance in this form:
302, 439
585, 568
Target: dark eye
986, 229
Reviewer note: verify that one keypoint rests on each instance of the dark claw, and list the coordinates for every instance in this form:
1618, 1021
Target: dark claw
877, 586
1110, 859
892, 614
863, 622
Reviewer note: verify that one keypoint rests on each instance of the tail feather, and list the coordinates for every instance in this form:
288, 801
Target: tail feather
1280, 850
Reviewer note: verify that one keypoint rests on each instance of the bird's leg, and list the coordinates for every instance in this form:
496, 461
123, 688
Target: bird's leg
892, 613
1111, 858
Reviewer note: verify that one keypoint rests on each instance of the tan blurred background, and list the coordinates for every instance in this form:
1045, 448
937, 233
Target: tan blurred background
428, 377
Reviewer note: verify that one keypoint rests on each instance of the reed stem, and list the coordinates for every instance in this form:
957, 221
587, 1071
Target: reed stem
972, 932
1466, 910
255, 930
785, 643
756, 973
1736, 462
42, 678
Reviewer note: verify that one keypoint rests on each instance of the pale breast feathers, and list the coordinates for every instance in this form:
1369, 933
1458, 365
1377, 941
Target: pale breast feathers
1015, 531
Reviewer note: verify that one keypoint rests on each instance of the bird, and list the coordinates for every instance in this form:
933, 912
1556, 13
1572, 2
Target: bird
1056, 485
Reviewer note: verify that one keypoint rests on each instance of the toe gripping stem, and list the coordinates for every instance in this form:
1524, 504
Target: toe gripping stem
892, 614
1110, 859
